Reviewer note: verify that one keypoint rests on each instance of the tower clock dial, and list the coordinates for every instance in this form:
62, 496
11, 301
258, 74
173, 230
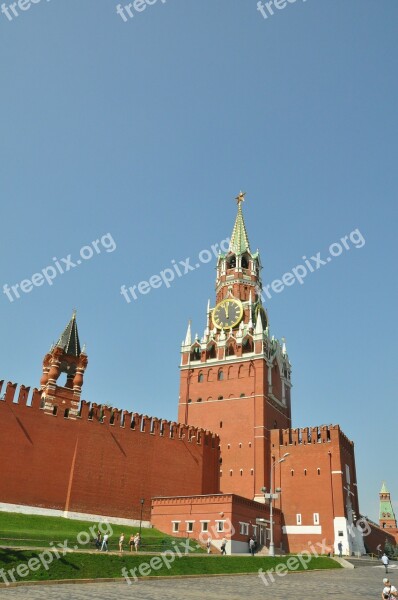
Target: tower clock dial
227, 313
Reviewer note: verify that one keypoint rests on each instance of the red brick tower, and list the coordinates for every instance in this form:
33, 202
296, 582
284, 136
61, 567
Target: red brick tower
235, 380
387, 518
65, 357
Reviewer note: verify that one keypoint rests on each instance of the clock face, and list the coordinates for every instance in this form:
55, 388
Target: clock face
227, 313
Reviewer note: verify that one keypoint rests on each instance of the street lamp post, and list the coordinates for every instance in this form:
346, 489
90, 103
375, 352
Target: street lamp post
273, 495
142, 508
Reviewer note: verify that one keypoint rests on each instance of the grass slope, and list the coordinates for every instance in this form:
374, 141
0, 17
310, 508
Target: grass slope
92, 566
32, 530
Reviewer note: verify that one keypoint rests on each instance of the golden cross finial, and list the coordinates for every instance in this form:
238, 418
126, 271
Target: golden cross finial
241, 197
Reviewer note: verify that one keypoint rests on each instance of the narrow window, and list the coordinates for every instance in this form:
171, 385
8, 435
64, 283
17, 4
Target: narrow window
55, 410
200, 378
176, 526
66, 413
318, 471
220, 375
316, 518
298, 519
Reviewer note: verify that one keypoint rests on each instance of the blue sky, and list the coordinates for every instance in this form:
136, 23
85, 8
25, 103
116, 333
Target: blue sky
146, 130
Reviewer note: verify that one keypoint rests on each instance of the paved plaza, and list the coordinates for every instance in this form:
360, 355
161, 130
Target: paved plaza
364, 583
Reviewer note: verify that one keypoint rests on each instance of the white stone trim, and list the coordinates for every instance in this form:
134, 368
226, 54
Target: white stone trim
302, 529
51, 512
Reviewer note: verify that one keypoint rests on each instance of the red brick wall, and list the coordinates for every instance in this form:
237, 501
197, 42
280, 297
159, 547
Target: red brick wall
87, 466
225, 507
242, 419
377, 538
317, 458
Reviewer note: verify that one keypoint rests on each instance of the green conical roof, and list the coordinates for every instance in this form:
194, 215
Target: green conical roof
239, 243
69, 339
386, 511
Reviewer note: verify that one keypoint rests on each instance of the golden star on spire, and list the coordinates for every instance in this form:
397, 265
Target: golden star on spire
241, 197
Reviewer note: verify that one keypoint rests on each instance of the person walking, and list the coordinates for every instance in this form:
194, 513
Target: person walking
208, 545
105, 542
121, 542
340, 548
389, 591
223, 545
137, 541
98, 540
385, 560
252, 546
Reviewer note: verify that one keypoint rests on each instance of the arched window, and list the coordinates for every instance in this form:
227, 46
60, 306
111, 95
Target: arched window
247, 346
220, 398
292, 472
305, 472
199, 400
245, 263
230, 350
318, 471
66, 413
200, 377
195, 353
242, 395
55, 410
211, 351
231, 263
220, 375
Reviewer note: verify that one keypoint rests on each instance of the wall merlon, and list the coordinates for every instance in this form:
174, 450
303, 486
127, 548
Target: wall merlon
10, 392
23, 395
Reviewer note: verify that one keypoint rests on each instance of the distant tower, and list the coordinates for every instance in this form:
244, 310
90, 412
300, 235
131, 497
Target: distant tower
65, 357
235, 379
387, 518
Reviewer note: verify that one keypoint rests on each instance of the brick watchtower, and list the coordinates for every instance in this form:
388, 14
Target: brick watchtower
387, 518
235, 380
65, 357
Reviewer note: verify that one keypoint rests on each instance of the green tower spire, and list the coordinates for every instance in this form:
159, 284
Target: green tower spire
239, 243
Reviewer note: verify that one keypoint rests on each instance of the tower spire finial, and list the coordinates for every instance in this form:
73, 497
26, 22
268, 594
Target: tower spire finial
240, 197
239, 243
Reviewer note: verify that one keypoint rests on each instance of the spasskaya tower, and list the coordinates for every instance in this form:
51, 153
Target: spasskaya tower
235, 379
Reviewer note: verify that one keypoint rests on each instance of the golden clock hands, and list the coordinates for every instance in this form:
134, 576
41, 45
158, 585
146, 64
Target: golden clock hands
227, 309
